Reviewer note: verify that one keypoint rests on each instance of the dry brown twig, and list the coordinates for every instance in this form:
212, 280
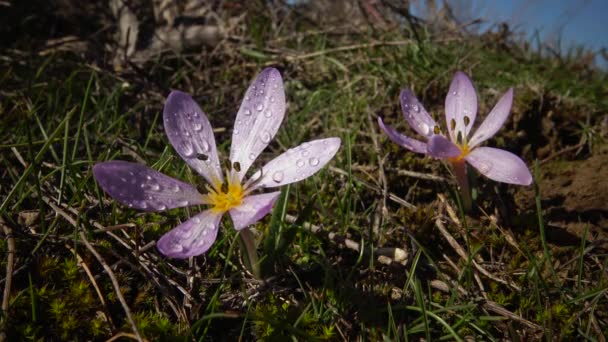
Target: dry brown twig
115, 284
463, 254
10, 260
103, 263
87, 270
381, 175
367, 185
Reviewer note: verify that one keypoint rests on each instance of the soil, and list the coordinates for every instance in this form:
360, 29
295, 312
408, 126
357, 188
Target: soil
574, 199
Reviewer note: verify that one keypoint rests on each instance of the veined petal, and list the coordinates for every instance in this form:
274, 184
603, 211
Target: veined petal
252, 209
416, 115
141, 187
500, 165
494, 120
297, 163
402, 140
460, 106
440, 147
191, 238
258, 119
191, 135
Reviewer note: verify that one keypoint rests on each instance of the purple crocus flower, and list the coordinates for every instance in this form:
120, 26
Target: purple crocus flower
190, 133
460, 113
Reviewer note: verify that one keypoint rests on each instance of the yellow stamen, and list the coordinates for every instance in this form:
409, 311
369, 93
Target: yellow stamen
225, 196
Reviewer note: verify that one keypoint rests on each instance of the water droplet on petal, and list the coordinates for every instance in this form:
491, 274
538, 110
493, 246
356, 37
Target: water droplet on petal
259, 107
196, 219
251, 156
272, 99
416, 108
236, 131
268, 113
300, 163
265, 136
176, 188
247, 111
313, 161
484, 167
305, 153
204, 145
161, 207
425, 128
154, 186
188, 150
148, 177
277, 176
454, 92
197, 126
183, 203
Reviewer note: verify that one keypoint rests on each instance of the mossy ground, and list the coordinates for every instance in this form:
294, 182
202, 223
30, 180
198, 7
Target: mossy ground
534, 266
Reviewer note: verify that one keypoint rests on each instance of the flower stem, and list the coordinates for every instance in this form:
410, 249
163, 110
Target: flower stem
249, 252
460, 170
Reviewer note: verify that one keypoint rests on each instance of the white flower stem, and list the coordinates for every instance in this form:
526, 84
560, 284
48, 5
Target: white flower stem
250, 253
460, 171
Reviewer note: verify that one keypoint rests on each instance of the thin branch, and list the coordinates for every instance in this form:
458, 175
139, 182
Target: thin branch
115, 284
10, 259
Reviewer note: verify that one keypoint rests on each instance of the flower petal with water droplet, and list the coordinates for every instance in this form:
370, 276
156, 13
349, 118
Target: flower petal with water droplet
415, 114
252, 209
402, 140
494, 120
191, 238
141, 187
460, 101
500, 165
190, 133
250, 137
289, 167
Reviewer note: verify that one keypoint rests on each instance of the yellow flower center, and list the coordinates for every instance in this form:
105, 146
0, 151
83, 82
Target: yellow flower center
464, 151
227, 195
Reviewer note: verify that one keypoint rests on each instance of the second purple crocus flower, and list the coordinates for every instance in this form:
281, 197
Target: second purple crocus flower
457, 148
190, 133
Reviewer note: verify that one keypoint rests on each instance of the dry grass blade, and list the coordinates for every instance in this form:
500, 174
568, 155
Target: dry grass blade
115, 284
10, 260
463, 254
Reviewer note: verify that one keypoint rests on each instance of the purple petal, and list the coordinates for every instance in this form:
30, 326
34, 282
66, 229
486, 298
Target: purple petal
258, 119
460, 104
140, 187
252, 209
191, 238
401, 140
297, 163
500, 165
440, 147
416, 115
191, 135
494, 120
